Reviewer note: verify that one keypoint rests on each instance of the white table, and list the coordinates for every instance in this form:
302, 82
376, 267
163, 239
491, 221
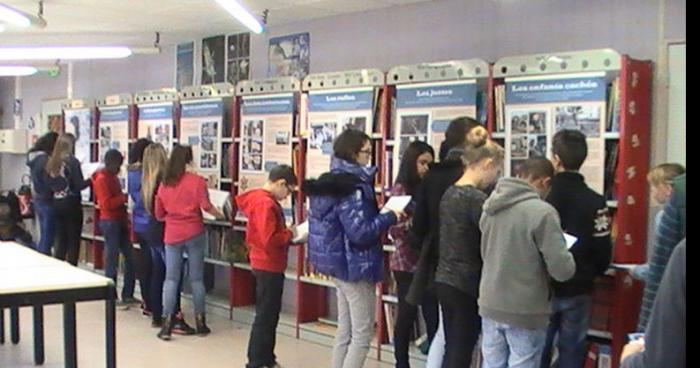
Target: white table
29, 278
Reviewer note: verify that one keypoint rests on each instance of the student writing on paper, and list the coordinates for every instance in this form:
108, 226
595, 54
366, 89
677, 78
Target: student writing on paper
268, 240
402, 262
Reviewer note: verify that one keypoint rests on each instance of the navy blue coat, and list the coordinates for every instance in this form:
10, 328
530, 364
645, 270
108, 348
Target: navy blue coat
345, 225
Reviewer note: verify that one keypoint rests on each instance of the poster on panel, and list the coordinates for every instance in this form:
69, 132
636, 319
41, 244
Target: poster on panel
539, 107
201, 128
114, 134
156, 122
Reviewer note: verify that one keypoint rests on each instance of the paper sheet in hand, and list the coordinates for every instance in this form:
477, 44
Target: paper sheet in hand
218, 198
397, 203
570, 240
89, 168
302, 232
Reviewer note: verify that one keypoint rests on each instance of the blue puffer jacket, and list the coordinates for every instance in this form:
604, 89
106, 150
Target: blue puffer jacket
345, 224
140, 217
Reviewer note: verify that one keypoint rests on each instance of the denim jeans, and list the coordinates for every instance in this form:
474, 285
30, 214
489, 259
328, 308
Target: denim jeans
173, 270
268, 303
117, 241
569, 325
356, 306
506, 346
47, 226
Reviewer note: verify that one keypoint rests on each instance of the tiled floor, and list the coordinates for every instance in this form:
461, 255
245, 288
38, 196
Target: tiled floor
137, 345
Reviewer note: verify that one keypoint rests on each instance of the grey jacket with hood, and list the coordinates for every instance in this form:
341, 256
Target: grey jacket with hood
522, 246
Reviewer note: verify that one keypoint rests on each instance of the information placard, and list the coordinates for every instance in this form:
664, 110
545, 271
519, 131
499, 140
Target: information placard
201, 128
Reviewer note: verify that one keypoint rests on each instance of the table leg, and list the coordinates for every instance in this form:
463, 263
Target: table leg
70, 350
2, 326
39, 334
111, 338
14, 324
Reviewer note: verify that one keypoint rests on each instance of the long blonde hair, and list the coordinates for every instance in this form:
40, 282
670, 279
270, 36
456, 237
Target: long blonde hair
61, 152
155, 160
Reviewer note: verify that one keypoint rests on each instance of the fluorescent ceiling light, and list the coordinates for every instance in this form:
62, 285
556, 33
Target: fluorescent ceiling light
63, 53
17, 71
13, 16
243, 15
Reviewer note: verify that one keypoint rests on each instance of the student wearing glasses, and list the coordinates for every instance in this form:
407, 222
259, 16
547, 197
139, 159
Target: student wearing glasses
344, 241
268, 240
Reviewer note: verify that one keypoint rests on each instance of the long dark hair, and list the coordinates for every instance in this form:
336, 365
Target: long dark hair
177, 164
408, 173
456, 133
45, 143
136, 152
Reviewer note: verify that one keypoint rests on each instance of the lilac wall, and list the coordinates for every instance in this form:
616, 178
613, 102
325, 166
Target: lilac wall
430, 31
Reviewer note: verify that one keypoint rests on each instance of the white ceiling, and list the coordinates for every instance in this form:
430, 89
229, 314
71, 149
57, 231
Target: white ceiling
134, 22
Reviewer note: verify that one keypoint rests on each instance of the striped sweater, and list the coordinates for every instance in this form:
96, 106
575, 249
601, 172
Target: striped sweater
670, 232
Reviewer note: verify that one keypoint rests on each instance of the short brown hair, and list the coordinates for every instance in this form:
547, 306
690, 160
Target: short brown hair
349, 144
664, 173
536, 168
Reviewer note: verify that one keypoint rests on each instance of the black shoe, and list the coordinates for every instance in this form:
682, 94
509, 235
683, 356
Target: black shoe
157, 322
202, 328
166, 329
180, 327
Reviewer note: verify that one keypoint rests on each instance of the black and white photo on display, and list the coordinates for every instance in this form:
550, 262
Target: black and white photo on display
414, 124
355, 122
213, 59
208, 144
210, 129
282, 138
538, 123
519, 146
585, 118
537, 146
322, 136
518, 122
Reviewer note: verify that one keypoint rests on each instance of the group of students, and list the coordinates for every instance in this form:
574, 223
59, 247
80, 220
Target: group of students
480, 255
168, 199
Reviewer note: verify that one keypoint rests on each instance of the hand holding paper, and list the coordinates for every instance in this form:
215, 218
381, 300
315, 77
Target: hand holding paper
396, 204
301, 233
218, 198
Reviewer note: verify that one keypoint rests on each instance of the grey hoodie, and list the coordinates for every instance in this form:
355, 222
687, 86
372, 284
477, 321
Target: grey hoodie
522, 245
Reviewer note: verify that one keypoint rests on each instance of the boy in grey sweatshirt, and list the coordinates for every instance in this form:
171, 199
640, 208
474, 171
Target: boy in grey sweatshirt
522, 246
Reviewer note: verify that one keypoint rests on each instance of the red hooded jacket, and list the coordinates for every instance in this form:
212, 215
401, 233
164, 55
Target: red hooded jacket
109, 196
267, 235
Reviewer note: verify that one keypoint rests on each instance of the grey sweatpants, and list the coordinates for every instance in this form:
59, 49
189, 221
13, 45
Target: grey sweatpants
356, 306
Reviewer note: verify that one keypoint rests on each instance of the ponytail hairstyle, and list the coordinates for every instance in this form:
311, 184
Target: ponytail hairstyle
480, 148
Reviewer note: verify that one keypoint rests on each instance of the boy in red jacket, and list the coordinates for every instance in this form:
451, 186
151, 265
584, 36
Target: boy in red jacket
268, 240
111, 200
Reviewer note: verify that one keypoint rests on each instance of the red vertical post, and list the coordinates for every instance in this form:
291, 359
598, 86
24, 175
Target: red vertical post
633, 164
632, 195
490, 102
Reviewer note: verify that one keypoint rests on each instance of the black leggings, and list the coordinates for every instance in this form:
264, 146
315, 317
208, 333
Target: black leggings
406, 318
462, 324
69, 228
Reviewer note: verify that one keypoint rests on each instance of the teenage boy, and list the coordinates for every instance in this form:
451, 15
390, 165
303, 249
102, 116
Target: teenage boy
584, 214
268, 240
522, 246
111, 201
